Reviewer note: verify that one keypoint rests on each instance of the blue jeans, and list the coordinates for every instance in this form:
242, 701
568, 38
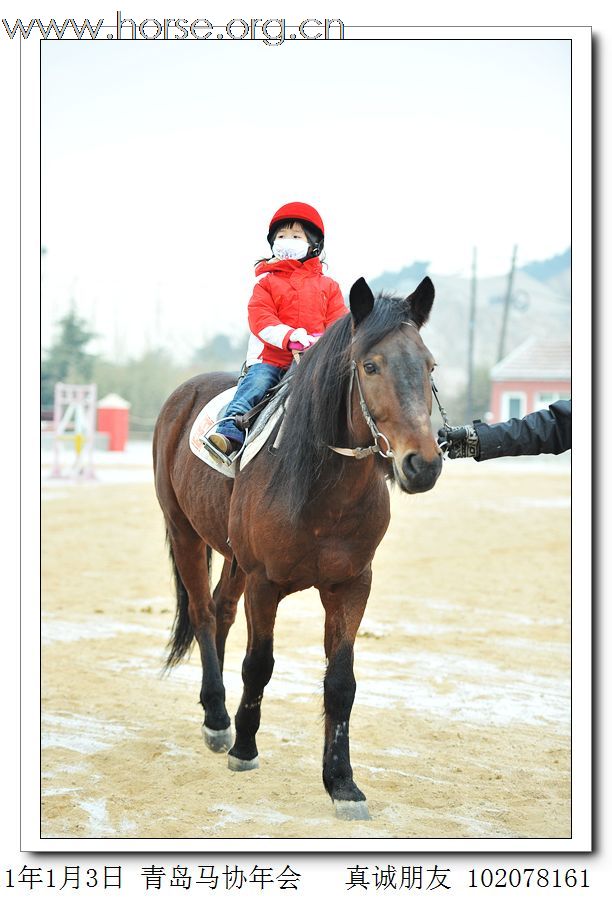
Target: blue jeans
251, 389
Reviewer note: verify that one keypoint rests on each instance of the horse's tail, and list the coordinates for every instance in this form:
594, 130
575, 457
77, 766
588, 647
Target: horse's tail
182, 629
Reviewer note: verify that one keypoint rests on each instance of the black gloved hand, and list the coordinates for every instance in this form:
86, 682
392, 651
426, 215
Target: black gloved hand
461, 442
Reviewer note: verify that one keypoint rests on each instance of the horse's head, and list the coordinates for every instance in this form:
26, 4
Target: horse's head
393, 370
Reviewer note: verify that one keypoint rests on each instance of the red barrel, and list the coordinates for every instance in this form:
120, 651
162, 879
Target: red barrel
113, 418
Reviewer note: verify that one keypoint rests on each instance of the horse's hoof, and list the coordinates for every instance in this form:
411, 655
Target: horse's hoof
237, 765
218, 741
351, 809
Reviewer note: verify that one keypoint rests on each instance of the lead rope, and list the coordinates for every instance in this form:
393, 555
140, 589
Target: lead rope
443, 445
443, 413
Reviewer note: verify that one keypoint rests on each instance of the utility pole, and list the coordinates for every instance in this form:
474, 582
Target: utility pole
507, 302
469, 404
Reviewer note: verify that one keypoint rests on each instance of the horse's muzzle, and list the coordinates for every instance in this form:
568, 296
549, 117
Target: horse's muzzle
418, 474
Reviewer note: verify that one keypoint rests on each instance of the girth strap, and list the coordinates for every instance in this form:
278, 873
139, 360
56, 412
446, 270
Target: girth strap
244, 421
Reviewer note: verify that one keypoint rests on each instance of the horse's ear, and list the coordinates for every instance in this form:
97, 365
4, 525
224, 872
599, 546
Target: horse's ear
420, 302
361, 300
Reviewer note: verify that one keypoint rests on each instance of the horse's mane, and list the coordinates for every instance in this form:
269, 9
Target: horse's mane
304, 466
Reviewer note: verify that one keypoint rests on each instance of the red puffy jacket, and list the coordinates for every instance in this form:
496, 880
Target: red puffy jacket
289, 294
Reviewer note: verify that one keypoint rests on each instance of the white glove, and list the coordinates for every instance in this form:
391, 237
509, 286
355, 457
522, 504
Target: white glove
300, 335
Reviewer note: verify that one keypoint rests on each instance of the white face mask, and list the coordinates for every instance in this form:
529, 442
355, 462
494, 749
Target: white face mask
290, 249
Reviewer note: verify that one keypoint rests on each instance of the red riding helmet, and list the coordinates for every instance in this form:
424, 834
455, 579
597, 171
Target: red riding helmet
296, 210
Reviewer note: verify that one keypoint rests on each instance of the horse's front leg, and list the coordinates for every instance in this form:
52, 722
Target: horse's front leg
225, 599
261, 599
344, 607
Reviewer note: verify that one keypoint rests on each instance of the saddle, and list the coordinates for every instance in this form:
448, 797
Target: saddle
258, 424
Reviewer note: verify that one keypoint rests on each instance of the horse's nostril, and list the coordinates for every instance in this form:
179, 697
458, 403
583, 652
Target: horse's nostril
420, 473
409, 465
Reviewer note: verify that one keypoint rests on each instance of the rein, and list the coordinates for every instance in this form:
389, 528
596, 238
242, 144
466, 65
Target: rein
364, 451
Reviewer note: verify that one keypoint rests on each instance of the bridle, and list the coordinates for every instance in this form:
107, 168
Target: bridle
364, 451
378, 436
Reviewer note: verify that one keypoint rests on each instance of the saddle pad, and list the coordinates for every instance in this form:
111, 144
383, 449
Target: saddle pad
209, 415
213, 411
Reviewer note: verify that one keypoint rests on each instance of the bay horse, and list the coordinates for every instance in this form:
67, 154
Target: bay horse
310, 513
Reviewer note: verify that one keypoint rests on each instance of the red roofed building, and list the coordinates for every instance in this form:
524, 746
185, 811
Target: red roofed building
531, 377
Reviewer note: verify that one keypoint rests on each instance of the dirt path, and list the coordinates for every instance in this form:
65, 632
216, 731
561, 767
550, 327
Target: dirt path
460, 727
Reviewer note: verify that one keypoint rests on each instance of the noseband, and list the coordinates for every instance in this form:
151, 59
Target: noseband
378, 436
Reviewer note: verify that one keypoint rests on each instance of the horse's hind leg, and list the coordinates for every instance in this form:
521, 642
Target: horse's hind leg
260, 602
191, 558
344, 607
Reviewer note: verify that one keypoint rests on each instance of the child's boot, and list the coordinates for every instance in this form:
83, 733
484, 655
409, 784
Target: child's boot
221, 447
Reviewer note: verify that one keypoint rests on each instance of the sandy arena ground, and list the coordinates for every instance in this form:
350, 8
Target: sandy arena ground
461, 723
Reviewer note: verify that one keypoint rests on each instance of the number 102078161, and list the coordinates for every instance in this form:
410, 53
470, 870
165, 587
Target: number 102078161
528, 877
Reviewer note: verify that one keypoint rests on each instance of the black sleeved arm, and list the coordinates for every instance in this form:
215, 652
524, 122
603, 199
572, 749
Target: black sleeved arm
549, 430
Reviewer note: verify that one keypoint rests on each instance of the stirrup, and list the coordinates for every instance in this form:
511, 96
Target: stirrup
216, 453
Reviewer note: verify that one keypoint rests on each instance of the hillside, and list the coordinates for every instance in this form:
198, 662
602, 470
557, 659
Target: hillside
540, 307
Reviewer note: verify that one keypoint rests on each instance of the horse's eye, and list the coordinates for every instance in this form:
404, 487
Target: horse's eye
369, 367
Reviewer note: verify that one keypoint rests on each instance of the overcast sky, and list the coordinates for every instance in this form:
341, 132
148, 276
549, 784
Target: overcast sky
162, 163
